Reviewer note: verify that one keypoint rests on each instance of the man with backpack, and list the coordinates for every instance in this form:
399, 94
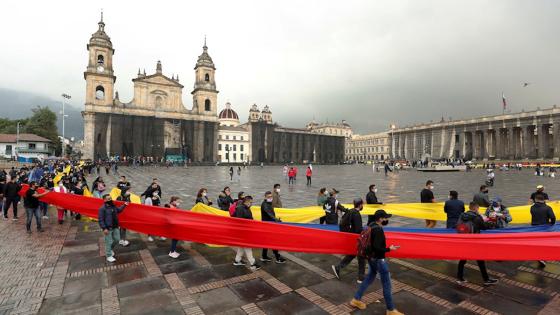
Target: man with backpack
373, 247
471, 222
332, 207
351, 222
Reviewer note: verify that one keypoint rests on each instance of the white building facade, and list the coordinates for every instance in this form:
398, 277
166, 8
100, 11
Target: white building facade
371, 147
24, 147
234, 145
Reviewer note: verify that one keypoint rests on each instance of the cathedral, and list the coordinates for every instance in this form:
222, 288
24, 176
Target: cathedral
156, 123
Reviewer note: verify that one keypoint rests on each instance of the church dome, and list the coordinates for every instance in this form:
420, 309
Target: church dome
228, 113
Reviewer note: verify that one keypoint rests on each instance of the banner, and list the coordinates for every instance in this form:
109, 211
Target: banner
429, 211
222, 230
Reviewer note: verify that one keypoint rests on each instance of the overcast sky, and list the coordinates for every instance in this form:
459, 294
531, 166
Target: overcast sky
370, 62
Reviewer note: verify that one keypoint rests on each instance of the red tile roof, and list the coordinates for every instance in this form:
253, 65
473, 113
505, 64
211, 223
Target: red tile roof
11, 138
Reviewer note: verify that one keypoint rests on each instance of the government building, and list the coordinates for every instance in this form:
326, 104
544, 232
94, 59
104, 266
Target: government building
525, 135
156, 123
368, 148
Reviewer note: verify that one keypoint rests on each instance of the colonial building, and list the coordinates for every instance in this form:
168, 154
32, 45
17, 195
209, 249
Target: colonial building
155, 122
335, 129
525, 135
234, 144
371, 147
24, 147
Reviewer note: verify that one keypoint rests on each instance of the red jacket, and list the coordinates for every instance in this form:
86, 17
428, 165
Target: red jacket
308, 172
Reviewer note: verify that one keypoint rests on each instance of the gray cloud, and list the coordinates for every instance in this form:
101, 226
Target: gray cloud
370, 62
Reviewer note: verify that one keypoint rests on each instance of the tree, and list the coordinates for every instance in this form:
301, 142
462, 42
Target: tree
43, 123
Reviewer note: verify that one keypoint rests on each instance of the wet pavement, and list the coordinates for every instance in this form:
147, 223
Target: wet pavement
63, 270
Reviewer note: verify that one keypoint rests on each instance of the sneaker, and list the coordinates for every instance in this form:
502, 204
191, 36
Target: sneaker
357, 303
238, 263
359, 281
280, 260
490, 281
150, 239
45, 217
255, 267
15, 219
112, 253
394, 312
162, 238
461, 281
542, 263
124, 243
265, 259
111, 259
174, 255
336, 272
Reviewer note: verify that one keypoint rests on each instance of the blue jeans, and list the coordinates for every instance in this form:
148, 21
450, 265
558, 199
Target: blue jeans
174, 245
375, 266
30, 213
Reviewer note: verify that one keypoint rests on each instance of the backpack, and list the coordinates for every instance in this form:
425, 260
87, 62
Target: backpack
345, 222
364, 243
232, 208
465, 224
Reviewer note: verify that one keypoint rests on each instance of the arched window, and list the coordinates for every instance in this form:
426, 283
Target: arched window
159, 101
99, 93
100, 60
207, 105
207, 77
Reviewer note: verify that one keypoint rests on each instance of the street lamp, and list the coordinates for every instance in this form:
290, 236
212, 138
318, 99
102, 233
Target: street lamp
64, 96
393, 126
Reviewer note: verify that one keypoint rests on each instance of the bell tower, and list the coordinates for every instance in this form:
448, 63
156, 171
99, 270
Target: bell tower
205, 95
99, 75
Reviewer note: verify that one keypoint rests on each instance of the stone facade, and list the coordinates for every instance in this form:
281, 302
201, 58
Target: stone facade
524, 135
371, 147
335, 129
271, 143
155, 122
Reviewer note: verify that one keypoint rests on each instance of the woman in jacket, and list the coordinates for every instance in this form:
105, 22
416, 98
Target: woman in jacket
201, 197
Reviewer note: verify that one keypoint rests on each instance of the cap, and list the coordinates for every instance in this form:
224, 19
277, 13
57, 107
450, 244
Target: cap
381, 214
497, 199
334, 191
540, 187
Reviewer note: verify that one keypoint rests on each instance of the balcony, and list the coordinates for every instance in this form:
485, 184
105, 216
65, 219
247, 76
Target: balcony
34, 150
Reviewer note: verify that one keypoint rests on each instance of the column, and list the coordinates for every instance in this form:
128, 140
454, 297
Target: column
528, 138
556, 139
512, 143
486, 144
499, 144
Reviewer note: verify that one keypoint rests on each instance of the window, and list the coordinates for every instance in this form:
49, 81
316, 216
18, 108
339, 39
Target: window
241, 138
227, 137
9, 149
233, 137
234, 157
234, 147
100, 59
99, 93
207, 77
219, 146
241, 156
207, 105
456, 138
32, 146
241, 148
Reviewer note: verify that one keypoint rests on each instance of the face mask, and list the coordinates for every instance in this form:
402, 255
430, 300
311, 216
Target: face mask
431, 187
278, 190
384, 222
269, 200
375, 190
177, 204
203, 194
496, 208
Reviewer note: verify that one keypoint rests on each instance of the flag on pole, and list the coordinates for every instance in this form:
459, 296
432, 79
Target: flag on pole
504, 101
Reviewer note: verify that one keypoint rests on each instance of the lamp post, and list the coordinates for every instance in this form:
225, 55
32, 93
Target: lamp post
392, 141
64, 96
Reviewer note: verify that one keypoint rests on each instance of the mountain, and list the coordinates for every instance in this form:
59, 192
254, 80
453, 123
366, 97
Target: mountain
18, 104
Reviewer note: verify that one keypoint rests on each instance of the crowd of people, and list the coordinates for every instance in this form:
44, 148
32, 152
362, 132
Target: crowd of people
70, 178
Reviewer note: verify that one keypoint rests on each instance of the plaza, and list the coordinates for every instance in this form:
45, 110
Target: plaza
63, 270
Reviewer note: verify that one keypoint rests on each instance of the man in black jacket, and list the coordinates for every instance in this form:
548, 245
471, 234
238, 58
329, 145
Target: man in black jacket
11, 196
477, 223
332, 207
371, 199
351, 222
243, 211
268, 215
378, 264
109, 223
224, 199
542, 214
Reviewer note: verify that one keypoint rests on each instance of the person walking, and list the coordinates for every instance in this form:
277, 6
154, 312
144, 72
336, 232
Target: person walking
268, 215
109, 223
427, 196
454, 208
351, 222
124, 196
231, 173
308, 174
202, 197
291, 176
333, 208
378, 264
31, 205
243, 211
60, 188
11, 197
276, 201
371, 199
174, 203
475, 221
481, 198
542, 214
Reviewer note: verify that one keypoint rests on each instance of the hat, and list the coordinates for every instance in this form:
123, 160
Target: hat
497, 199
381, 214
334, 191
540, 187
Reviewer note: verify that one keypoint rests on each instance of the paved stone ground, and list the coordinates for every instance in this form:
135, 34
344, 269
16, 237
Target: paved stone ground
63, 271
